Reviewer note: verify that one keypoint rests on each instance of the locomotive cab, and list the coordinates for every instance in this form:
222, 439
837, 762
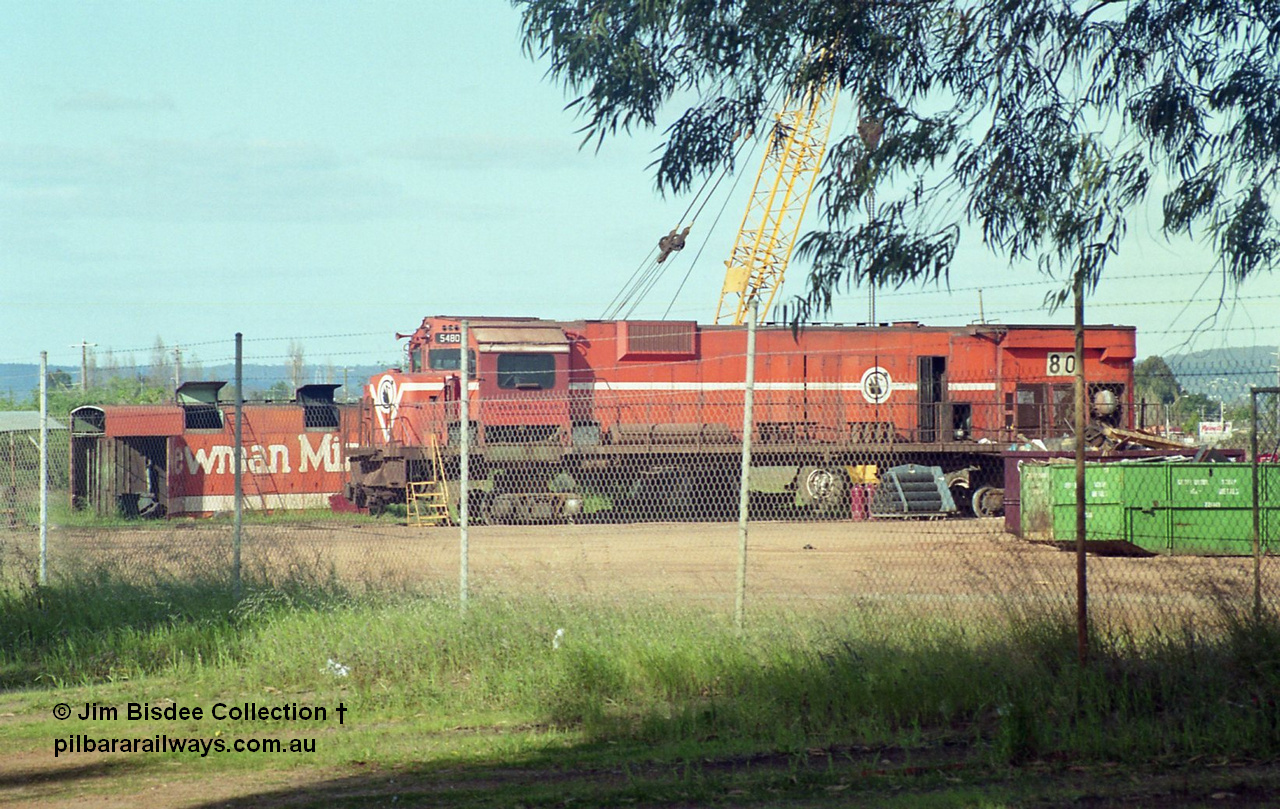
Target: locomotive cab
518, 373
523, 384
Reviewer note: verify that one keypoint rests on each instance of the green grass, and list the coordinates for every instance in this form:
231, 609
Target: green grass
61, 513
647, 685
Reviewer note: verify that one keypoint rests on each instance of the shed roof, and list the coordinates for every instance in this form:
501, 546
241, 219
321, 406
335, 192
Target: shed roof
21, 421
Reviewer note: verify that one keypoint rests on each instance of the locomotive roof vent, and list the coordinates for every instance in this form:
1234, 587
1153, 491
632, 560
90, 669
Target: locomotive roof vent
199, 401
535, 339
199, 393
316, 394
319, 412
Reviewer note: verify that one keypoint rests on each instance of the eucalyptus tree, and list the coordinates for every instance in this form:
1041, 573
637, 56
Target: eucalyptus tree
1041, 125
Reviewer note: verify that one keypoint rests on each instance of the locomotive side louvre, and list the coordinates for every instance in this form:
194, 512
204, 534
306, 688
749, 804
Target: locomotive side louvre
652, 410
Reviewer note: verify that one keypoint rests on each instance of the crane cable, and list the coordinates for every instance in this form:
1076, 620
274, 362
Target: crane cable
705, 240
719, 214
650, 270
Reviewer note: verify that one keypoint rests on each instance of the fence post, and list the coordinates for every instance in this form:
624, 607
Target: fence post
1257, 514
238, 456
1081, 397
744, 486
464, 467
43, 575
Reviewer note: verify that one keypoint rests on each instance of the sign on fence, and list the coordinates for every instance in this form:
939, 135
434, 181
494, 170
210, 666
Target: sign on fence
1211, 432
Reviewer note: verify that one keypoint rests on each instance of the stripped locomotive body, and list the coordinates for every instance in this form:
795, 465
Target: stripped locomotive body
644, 419
178, 459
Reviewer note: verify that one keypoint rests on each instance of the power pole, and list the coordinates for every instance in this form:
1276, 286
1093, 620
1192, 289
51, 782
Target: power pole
84, 346
177, 368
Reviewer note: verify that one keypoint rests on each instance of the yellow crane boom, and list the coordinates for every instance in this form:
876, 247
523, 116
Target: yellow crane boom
788, 174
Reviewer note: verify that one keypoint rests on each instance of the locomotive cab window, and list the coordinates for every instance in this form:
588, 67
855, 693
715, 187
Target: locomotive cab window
526, 371
450, 359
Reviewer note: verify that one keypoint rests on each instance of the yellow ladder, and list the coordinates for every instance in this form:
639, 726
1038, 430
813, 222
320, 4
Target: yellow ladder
427, 501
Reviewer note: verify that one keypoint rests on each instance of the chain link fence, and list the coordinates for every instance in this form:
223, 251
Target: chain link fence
909, 501
20, 501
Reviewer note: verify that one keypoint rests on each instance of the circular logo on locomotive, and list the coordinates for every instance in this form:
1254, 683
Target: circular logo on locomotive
877, 385
386, 394
387, 401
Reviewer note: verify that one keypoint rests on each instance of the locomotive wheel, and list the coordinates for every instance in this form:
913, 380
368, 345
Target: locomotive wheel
499, 509
664, 494
988, 501
963, 498
680, 496
825, 487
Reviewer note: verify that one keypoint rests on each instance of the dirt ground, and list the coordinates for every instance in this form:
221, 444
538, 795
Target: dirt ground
956, 565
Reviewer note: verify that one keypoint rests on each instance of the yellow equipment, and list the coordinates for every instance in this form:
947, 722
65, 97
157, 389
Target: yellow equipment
788, 173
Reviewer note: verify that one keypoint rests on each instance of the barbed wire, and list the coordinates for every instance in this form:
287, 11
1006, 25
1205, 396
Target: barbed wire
924, 301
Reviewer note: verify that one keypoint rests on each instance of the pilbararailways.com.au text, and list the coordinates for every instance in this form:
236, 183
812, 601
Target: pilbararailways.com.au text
91, 741
163, 743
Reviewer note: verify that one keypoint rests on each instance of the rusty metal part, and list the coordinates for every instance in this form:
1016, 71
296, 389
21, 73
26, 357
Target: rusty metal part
1118, 437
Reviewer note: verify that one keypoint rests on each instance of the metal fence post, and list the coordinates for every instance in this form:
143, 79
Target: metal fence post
1082, 403
43, 575
1257, 522
464, 470
238, 458
744, 486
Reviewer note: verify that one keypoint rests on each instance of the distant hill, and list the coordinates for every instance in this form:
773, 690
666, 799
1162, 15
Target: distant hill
19, 380
1225, 373
263, 377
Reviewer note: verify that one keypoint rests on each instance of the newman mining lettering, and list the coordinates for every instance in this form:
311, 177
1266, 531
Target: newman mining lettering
272, 459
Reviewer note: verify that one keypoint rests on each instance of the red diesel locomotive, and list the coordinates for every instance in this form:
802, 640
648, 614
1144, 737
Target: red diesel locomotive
644, 419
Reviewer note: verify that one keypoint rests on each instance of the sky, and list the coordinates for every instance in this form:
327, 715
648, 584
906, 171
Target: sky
329, 173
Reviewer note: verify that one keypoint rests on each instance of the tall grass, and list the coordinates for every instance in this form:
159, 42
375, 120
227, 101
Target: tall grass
663, 674
98, 624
